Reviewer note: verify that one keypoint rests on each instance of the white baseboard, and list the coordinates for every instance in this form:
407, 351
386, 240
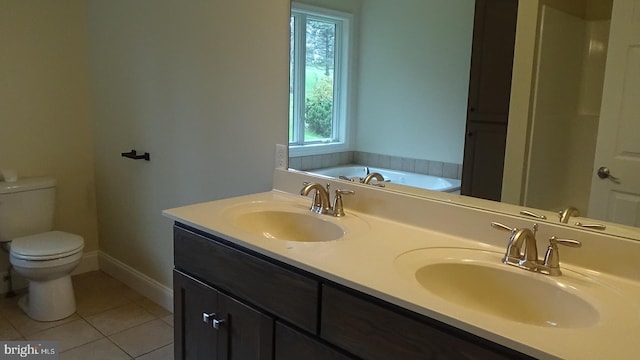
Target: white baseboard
159, 293
89, 262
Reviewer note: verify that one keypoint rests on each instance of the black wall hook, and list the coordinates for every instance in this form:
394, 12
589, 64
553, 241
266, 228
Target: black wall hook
133, 155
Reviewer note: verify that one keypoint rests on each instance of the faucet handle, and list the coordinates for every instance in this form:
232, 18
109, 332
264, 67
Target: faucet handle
501, 226
592, 226
552, 257
344, 192
566, 242
338, 206
532, 214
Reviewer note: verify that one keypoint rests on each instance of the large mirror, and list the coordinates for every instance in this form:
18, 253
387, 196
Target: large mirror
405, 65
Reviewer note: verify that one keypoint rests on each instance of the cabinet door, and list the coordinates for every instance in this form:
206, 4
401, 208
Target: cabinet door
484, 160
246, 333
212, 325
494, 34
194, 335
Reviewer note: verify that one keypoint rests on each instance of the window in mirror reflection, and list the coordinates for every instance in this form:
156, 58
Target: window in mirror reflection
317, 111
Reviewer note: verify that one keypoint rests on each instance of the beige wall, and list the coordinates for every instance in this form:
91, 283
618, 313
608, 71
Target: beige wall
203, 87
45, 126
413, 82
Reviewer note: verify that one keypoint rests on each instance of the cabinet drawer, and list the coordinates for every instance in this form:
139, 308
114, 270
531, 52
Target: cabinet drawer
284, 293
293, 345
374, 331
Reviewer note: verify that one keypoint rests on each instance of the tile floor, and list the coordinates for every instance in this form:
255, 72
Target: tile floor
112, 321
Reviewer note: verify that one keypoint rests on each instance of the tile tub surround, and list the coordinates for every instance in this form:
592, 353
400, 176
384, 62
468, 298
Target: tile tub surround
418, 166
112, 321
393, 179
400, 223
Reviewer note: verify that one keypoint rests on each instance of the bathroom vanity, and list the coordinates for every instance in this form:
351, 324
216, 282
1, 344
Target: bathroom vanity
262, 307
380, 283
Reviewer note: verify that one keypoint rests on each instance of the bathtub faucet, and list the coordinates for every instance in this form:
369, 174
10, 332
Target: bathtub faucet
374, 175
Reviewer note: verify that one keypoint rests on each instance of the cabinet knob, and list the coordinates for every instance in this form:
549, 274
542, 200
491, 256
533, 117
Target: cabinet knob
206, 317
211, 318
217, 323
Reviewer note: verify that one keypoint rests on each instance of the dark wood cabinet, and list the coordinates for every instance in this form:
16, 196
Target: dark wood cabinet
280, 291
374, 331
216, 280
494, 35
484, 160
294, 345
194, 338
494, 32
212, 325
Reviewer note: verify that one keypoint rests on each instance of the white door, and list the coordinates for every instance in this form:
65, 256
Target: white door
618, 146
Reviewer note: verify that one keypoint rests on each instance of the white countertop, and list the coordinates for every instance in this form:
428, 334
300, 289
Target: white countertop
365, 260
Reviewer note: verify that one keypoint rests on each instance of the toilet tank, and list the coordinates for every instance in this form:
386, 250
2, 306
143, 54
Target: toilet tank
26, 207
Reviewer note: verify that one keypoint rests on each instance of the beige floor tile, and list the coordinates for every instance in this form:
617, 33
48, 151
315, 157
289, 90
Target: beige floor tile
144, 338
131, 294
168, 319
24, 324
68, 335
121, 318
107, 305
101, 349
7, 331
164, 353
155, 309
95, 279
88, 284
93, 300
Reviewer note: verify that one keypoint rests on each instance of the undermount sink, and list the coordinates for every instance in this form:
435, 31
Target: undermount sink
477, 280
288, 225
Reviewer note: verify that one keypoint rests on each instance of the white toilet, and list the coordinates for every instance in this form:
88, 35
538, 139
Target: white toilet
44, 257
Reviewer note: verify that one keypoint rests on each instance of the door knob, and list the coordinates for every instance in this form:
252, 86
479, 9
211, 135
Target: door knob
605, 173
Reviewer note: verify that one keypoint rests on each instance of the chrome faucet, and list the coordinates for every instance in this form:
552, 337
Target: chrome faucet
515, 255
321, 201
528, 259
565, 214
373, 175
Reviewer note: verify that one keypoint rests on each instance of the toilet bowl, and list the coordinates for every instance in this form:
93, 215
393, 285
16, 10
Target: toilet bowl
47, 260
44, 257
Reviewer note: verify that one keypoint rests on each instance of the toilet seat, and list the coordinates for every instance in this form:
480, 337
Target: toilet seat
46, 246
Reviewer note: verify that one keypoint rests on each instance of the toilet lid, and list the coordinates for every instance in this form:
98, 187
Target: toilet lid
45, 246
